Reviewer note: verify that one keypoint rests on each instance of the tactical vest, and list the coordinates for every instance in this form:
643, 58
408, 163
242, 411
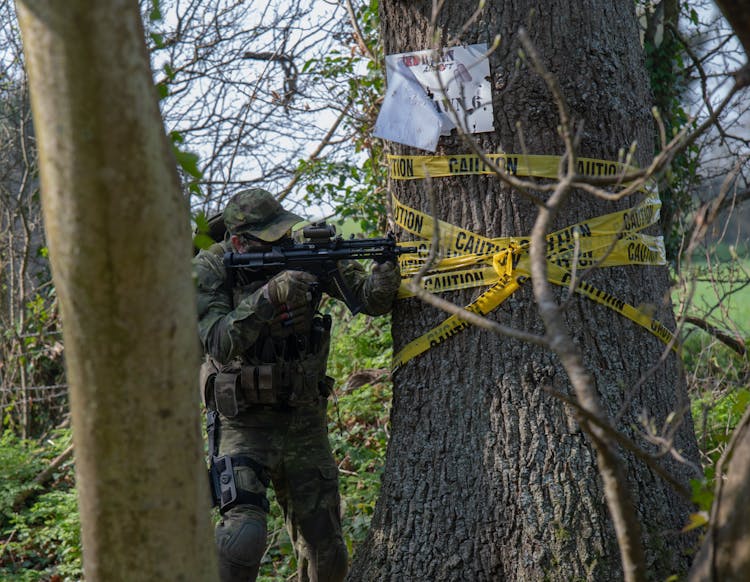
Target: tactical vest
280, 371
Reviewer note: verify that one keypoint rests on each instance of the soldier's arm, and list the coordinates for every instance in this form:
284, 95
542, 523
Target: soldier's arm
376, 291
226, 331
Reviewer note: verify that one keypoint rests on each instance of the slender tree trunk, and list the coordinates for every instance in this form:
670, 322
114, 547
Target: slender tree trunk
118, 232
488, 477
725, 552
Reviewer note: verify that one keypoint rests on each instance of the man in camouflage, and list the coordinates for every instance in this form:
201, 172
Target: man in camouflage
266, 390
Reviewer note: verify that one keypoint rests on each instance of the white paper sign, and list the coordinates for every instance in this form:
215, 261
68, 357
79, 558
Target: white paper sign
414, 108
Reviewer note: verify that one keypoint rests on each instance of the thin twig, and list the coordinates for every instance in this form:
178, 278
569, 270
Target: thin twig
42, 477
358, 32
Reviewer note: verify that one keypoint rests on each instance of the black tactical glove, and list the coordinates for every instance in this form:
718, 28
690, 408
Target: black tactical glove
290, 290
297, 320
385, 277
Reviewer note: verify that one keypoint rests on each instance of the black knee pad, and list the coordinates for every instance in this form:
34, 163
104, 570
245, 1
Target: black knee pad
241, 540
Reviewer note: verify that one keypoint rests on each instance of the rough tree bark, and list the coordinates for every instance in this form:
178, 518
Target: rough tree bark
117, 227
487, 476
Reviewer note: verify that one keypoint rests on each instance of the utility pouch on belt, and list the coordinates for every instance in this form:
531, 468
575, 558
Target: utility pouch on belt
226, 386
236, 388
260, 384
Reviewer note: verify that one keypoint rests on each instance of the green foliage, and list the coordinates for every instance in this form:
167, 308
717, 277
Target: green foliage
717, 375
155, 14
358, 343
716, 417
348, 188
20, 461
40, 541
202, 236
666, 65
359, 427
354, 186
360, 442
187, 162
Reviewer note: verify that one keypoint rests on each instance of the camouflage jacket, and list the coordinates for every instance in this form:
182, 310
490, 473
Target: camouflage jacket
233, 323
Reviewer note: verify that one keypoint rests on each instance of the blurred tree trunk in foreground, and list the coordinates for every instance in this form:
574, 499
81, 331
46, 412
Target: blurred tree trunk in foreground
118, 231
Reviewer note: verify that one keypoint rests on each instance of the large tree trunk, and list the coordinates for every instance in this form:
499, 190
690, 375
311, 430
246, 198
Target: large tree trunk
118, 231
487, 476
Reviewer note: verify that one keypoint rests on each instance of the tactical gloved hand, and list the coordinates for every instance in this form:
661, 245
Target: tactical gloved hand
298, 320
290, 290
386, 277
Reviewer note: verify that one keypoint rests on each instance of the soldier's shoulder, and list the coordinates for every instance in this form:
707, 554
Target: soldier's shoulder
209, 263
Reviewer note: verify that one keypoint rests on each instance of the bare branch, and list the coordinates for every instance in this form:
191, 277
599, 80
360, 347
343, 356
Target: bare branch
42, 477
358, 32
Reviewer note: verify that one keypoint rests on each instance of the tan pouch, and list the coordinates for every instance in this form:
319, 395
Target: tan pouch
207, 376
259, 384
226, 386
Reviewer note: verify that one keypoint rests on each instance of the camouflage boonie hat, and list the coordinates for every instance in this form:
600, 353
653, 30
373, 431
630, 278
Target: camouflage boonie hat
258, 213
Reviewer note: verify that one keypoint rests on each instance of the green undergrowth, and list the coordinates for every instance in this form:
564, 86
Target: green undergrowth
40, 538
720, 394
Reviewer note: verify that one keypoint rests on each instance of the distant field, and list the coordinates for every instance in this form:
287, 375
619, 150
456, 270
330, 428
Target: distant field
728, 283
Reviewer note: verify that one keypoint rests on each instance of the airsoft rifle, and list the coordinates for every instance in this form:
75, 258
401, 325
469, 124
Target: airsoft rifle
318, 253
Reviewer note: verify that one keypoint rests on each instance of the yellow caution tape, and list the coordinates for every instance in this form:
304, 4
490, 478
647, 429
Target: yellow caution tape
466, 259
415, 167
482, 305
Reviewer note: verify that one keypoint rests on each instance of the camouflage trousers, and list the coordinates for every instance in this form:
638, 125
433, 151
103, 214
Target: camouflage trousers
293, 446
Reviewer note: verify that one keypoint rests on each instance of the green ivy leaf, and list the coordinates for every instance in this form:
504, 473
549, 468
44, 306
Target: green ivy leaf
201, 222
155, 14
162, 91
202, 241
158, 39
702, 495
188, 161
